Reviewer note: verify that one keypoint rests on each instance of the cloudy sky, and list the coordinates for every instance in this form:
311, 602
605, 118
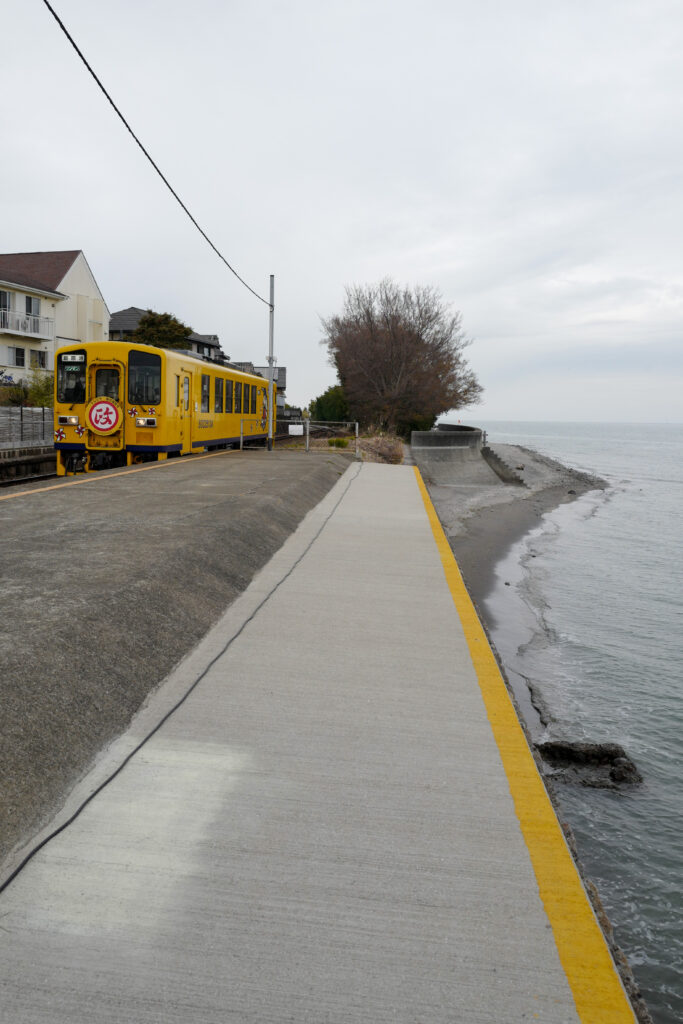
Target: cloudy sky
523, 157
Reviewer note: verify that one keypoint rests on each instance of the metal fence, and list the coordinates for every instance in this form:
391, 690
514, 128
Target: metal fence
25, 426
346, 430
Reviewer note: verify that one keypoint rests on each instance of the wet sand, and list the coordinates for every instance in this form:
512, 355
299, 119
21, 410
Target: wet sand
482, 521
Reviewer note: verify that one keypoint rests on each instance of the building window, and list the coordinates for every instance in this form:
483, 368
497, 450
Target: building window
38, 359
33, 314
206, 389
5, 306
17, 356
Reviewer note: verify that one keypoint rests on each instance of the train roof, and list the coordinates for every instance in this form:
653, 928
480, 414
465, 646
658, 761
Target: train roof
223, 364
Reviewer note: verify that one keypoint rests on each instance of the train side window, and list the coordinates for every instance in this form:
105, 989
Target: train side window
228, 396
245, 397
177, 390
218, 395
186, 393
238, 396
206, 390
253, 399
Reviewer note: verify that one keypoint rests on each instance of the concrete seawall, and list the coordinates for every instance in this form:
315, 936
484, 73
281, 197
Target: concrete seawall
458, 455
328, 810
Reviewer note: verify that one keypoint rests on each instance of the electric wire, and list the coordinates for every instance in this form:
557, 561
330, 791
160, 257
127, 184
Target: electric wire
154, 165
226, 646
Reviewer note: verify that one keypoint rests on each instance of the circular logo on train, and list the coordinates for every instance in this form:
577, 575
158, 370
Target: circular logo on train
103, 416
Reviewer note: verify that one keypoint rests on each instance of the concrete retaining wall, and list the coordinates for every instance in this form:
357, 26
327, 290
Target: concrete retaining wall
447, 437
26, 463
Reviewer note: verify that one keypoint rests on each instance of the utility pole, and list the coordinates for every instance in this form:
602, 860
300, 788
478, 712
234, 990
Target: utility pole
271, 370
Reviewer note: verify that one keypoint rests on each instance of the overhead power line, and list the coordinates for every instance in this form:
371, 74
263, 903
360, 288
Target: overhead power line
154, 165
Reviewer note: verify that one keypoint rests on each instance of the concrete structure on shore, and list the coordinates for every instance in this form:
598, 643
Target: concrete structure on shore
328, 811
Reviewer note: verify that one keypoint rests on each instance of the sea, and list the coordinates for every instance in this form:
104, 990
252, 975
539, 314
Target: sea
588, 608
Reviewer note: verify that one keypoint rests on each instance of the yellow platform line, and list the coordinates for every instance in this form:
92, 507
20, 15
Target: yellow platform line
91, 478
593, 978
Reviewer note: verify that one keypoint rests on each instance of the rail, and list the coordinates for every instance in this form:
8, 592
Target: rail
27, 323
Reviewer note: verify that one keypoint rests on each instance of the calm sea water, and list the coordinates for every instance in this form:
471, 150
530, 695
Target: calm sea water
597, 595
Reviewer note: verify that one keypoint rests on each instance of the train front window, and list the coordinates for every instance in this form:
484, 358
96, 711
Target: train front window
144, 378
107, 383
71, 377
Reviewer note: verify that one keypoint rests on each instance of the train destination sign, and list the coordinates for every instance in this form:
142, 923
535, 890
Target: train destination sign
103, 416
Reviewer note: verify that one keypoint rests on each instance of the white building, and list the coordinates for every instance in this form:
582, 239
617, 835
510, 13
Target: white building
47, 299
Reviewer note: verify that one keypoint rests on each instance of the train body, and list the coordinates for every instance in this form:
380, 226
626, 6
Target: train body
118, 403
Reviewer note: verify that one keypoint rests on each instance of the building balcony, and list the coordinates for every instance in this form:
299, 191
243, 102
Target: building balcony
27, 325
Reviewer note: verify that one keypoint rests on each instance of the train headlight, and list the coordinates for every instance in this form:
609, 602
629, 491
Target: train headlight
146, 421
68, 421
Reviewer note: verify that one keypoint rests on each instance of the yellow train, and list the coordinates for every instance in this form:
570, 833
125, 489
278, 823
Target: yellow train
118, 403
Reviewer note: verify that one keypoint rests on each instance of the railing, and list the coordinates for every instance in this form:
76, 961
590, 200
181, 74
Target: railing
20, 425
27, 323
327, 427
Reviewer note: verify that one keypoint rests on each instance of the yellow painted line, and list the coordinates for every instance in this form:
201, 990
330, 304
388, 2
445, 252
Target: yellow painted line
91, 478
593, 978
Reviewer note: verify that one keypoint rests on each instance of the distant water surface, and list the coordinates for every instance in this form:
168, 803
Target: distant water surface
597, 592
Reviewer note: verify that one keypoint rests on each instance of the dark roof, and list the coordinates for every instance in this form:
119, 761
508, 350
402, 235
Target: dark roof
42, 270
126, 319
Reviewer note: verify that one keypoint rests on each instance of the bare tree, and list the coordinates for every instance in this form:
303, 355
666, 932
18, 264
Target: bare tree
399, 355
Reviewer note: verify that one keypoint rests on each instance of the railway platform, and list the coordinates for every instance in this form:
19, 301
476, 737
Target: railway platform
327, 813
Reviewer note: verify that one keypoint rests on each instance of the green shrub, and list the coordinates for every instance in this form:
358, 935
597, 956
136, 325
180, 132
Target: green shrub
338, 442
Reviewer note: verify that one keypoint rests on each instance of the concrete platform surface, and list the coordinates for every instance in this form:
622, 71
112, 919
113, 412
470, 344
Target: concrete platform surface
330, 828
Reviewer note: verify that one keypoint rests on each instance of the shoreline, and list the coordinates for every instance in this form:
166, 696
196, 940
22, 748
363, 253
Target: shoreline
484, 532
484, 528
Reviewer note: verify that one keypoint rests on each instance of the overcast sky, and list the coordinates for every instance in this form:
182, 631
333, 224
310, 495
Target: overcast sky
523, 157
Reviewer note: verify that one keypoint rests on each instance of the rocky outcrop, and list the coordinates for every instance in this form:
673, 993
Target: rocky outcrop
598, 765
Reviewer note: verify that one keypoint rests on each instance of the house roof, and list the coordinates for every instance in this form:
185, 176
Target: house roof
126, 319
42, 270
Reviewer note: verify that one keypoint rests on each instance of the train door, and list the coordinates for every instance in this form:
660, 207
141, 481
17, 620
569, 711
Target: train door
185, 389
104, 412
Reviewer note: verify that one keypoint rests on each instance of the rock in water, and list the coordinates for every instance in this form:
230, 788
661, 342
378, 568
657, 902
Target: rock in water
599, 765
